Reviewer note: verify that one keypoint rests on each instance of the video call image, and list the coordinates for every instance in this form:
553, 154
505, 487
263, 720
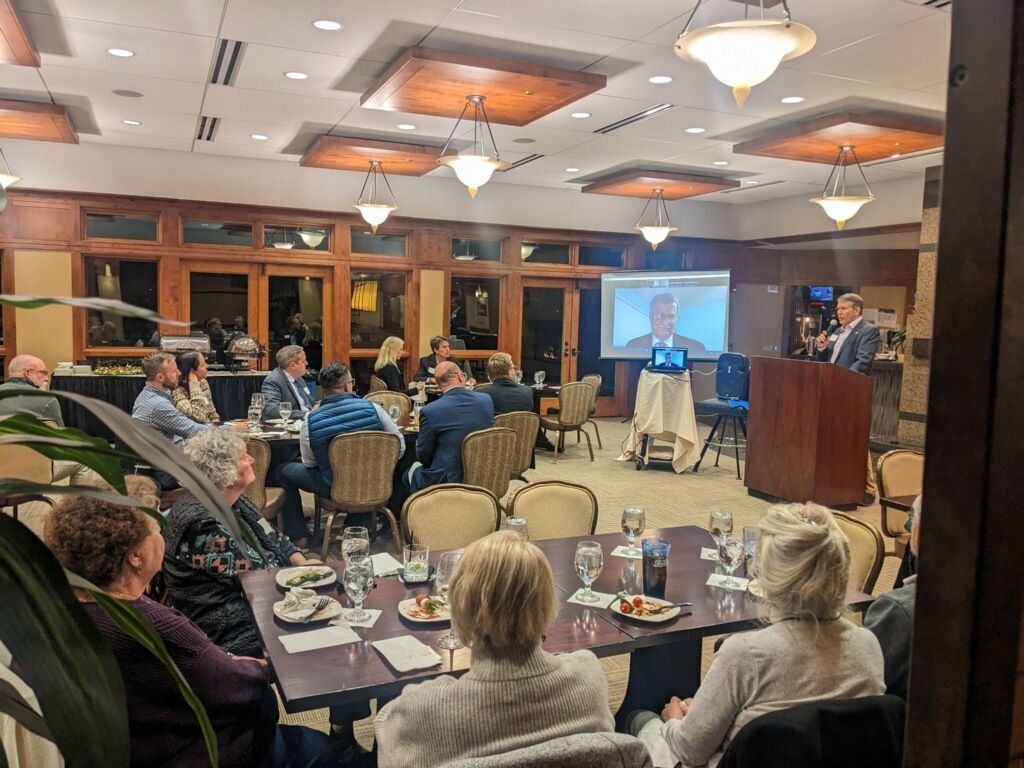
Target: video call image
641, 311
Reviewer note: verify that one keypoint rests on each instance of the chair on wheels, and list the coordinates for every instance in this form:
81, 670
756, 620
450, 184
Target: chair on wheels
387, 399
595, 380
377, 384
269, 500
487, 459
525, 424
555, 509
866, 551
450, 516
730, 408
362, 465
573, 412
900, 473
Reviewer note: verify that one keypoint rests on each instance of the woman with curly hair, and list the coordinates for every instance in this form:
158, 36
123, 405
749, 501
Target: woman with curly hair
120, 550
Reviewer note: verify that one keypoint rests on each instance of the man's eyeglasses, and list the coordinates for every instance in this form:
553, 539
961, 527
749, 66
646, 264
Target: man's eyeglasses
661, 318
36, 370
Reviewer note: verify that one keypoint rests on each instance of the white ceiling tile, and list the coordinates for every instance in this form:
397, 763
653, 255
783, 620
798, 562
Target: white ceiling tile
546, 141
196, 17
429, 129
22, 83
263, 107
138, 140
612, 150
263, 69
240, 150
169, 124
98, 87
671, 125
240, 132
604, 110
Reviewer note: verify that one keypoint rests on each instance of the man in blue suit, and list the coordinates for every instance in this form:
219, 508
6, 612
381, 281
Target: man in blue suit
444, 424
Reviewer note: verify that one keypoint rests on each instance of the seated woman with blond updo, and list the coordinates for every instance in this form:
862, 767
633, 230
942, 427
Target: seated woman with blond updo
808, 652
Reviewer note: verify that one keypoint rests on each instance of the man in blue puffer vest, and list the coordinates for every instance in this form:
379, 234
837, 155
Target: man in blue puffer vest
341, 410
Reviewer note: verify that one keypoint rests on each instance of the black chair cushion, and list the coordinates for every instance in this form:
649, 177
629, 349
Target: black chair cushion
717, 405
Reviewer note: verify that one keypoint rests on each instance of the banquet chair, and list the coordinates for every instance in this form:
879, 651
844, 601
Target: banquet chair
573, 412
488, 456
19, 462
555, 509
387, 399
450, 516
270, 501
900, 473
377, 384
593, 750
525, 424
866, 551
363, 466
595, 380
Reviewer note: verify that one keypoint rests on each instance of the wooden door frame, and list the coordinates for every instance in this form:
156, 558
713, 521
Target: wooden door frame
211, 266
566, 284
331, 349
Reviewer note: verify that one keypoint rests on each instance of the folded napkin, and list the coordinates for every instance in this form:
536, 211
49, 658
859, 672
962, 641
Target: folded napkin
603, 599
709, 553
384, 564
718, 580
407, 653
623, 551
318, 638
299, 604
345, 621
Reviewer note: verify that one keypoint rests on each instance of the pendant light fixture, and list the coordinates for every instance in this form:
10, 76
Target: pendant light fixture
839, 206
375, 212
474, 167
285, 243
655, 232
7, 178
743, 53
312, 237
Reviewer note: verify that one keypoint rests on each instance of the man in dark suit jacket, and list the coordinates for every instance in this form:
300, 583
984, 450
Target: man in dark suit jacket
856, 341
664, 313
444, 424
428, 365
285, 384
507, 395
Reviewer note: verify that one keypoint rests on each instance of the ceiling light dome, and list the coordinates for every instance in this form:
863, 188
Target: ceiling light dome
839, 206
743, 53
472, 170
475, 166
659, 229
373, 211
312, 237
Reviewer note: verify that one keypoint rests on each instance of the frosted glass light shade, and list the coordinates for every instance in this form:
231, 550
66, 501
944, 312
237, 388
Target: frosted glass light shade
742, 54
311, 237
284, 246
6, 179
375, 214
472, 170
655, 235
842, 208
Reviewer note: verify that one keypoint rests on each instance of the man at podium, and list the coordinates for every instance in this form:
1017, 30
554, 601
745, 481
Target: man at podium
853, 345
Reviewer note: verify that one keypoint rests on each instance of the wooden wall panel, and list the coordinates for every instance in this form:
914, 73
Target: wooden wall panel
37, 221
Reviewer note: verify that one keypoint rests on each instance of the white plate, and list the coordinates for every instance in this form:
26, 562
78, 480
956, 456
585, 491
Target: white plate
403, 608
331, 610
274, 421
294, 426
670, 614
284, 574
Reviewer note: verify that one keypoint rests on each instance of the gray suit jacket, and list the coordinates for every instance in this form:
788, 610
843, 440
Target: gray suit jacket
858, 351
43, 407
890, 618
277, 389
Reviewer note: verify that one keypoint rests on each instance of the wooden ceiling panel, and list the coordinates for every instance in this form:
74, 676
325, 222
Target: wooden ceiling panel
38, 122
675, 186
16, 46
343, 153
874, 135
427, 81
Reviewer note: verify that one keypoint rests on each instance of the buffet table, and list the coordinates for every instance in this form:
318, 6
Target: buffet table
232, 393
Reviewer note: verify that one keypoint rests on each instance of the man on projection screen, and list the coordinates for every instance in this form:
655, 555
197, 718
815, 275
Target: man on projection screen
664, 313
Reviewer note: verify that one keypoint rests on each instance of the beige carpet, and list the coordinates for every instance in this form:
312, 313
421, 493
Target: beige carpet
669, 500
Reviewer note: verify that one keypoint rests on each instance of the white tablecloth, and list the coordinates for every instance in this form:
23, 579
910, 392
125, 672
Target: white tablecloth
664, 411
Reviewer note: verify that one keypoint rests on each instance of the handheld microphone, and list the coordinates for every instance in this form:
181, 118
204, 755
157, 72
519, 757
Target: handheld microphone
831, 326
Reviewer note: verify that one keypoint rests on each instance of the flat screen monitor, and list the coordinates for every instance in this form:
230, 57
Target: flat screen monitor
642, 310
821, 293
669, 359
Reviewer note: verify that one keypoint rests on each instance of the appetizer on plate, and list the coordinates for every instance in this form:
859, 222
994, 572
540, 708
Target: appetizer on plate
424, 608
306, 576
645, 608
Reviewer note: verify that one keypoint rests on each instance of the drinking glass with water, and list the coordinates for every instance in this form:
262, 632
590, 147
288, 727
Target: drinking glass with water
589, 562
285, 410
358, 581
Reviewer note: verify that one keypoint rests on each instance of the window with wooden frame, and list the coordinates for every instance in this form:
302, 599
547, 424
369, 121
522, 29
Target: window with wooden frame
365, 242
536, 252
601, 255
112, 225
474, 313
475, 249
300, 238
134, 281
210, 232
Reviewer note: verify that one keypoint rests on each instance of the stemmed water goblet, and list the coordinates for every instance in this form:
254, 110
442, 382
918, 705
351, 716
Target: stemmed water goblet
538, 379
442, 580
589, 561
633, 523
358, 580
395, 412
730, 553
285, 410
355, 542
720, 525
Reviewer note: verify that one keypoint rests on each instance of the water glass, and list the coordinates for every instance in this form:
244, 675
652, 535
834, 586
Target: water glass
655, 555
518, 525
730, 553
395, 412
254, 418
519, 375
355, 542
633, 523
415, 563
538, 379
284, 410
442, 580
589, 561
257, 400
720, 525
750, 537
358, 581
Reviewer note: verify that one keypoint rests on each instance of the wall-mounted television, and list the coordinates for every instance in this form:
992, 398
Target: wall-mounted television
821, 293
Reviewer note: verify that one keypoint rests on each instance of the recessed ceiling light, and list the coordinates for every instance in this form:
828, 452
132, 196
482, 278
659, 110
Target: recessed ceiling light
406, 127
720, 162
696, 130
126, 93
132, 122
752, 182
296, 75
659, 79
792, 99
258, 136
121, 53
580, 115
572, 170
327, 25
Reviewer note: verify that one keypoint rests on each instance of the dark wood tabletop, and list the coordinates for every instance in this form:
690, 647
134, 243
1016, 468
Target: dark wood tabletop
902, 503
356, 671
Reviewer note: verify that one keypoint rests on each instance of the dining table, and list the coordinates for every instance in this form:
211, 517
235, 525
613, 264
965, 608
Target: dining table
665, 656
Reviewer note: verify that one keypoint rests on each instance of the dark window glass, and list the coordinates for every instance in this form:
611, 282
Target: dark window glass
126, 280
296, 314
299, 238
589, 334
544, 253
364, 241
216, 232
475, 306
476, 250
219, 307
378, 308
122, 226
663, 260
600, 256
543, 339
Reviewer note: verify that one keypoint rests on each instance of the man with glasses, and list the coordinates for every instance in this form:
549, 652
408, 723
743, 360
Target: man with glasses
664, 313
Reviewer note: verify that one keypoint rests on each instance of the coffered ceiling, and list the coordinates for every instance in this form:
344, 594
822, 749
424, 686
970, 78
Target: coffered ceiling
871, 54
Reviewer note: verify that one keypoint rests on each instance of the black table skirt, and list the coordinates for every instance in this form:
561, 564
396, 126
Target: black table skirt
231, 395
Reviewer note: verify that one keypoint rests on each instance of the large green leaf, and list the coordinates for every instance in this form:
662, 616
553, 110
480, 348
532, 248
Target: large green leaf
25, 488
110, 306
60, 653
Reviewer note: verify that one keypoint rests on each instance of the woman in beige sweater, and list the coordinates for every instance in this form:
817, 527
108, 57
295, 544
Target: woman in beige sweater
515, 694
808, 652
192, 395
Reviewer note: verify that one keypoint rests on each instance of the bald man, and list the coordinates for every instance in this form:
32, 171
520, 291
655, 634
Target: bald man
444, 424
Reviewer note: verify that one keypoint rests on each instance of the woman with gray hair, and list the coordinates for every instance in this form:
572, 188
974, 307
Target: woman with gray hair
203, 558
809, 651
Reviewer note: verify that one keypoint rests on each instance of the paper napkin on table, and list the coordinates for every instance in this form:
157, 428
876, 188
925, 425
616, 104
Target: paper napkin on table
345, 621
603, 599
623, 551
384, 564
719, 579
709, 553
318, 638
299, 604
407, 653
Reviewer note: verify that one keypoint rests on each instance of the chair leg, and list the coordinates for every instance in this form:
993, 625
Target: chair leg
395, 533
707, 442
736, 447
328, 526
597, 434
590, 445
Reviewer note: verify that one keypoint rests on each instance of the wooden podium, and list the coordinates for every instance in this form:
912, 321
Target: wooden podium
808, 431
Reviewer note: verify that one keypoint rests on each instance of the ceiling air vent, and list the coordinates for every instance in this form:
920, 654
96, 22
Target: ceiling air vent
207, 128
227, 62
521, 163
657, 109
944, 5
